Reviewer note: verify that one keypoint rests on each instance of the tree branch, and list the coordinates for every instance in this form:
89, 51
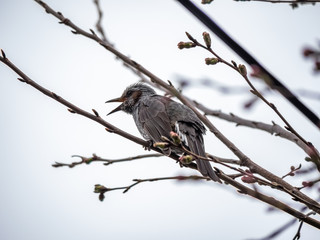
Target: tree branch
98, 24
98, 188
95, 158
273, 128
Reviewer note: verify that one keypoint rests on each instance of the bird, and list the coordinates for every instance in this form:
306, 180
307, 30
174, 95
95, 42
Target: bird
156, 116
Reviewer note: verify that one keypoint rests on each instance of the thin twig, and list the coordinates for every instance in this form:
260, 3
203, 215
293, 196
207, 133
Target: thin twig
98, 24
102, 189
309, 183
293, 169
224, 160
95, 158
104, 39
298, 234
185, 83
277, 232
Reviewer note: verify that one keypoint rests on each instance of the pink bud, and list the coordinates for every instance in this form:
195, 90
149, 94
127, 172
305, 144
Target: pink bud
248, 179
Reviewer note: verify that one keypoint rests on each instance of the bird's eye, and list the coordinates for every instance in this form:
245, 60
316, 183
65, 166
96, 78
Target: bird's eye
129, 93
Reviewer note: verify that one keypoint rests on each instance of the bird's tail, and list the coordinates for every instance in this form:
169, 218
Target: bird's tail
204, 167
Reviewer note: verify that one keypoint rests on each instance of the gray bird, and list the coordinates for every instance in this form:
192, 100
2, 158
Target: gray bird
157, 116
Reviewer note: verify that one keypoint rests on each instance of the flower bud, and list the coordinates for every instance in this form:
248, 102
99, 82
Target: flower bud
212, 61
187, 159
248, 179
161, 145
207, 39
206, 1
307, 52
175, 137
190, 37
100, 188
242, 69
182, 45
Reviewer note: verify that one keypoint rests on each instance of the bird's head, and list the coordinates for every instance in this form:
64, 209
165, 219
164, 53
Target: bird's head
131, 96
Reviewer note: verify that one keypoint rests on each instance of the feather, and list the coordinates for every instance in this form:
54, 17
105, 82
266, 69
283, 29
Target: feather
194, 141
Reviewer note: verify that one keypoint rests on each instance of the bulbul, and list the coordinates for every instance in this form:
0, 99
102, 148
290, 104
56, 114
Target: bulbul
157, 116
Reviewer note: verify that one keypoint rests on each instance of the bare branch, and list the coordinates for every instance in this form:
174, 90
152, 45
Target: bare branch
95, 158
98, 24
273, 128
224, 160
102, 189
298, 234
277, 232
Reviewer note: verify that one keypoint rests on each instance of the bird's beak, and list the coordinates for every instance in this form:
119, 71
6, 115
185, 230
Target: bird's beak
119, 108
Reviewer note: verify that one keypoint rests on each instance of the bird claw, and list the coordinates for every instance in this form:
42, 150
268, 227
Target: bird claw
150, 143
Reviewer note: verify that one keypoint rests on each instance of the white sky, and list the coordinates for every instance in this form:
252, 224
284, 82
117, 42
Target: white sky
41, 202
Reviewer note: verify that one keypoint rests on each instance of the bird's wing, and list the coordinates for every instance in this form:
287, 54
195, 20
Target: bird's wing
154, 119
194, 140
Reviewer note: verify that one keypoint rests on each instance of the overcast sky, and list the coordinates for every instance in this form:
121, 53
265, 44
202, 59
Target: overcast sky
42, 202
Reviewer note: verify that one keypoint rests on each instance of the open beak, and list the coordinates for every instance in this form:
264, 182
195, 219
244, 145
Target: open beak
119, 108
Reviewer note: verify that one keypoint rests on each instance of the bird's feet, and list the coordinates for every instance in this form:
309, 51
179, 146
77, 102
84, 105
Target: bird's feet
150, 143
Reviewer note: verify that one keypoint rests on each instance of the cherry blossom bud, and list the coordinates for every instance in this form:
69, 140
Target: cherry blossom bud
161, 145
182, 45
248, 179
207, 39
100, 188
242, 69
187, 159
190, 37
307, 52
212, 61
206, 1
175, 137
